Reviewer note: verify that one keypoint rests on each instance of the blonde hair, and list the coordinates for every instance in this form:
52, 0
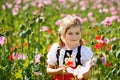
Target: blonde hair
65, 24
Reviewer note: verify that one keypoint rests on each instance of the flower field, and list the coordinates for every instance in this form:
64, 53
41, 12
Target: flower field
29, 27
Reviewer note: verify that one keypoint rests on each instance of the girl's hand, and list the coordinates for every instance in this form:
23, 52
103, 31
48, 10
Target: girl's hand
62, 69
70, 70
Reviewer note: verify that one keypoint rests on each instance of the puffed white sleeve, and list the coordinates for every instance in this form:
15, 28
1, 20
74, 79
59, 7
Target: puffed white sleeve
86, 55
51, 57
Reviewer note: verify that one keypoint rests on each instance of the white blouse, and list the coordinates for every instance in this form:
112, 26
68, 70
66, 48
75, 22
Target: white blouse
86, 55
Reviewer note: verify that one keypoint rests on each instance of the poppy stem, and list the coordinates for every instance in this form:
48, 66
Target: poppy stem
62, 74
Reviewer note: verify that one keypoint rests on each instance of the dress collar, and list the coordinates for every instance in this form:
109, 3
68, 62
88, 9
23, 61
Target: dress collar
73, 56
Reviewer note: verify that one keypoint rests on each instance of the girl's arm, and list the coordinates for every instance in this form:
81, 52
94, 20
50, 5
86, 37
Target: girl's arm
87, 74
84, 71
51, 70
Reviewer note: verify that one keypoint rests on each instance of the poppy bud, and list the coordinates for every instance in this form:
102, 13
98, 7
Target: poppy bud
3, 20
114, 47
118, 54
33, 18
108, 32
7, 33
1, 34
22, 27
118, 73
23, 34
32, 24
114, 71
39, 20
92, 42
32, 33
28, 31
90, 27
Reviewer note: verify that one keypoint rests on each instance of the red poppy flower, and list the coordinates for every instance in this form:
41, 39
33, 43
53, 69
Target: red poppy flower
12, 49
18, 47
25, 44
50, 31
98, 37
98, 46
11, 57
108, 48
108, 64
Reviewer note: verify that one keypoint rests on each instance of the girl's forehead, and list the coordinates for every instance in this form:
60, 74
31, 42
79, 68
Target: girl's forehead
74, 29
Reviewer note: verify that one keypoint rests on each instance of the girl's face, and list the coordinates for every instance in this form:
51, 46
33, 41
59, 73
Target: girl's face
72, 36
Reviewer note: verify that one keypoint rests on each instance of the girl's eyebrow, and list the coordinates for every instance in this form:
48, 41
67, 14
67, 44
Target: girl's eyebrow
77, 31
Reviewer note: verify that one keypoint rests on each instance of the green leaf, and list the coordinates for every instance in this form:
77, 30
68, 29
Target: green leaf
18, 74
1, 71
26, 63
118, 54
114, 47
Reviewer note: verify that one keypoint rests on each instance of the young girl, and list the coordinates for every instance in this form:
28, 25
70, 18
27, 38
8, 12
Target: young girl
64, 57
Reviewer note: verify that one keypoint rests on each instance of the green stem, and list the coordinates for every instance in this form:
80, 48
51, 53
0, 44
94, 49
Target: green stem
38, 36
62, 75
28, 44
39, 33
7, 43
22, 41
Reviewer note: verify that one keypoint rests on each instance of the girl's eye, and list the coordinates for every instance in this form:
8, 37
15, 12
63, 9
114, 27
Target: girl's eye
77, 33
70, 33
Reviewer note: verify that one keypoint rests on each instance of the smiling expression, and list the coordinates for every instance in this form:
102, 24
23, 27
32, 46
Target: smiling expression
72, 36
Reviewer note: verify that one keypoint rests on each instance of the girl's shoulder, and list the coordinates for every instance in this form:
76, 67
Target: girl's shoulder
52, 54
85, 47
54, 47
86, 50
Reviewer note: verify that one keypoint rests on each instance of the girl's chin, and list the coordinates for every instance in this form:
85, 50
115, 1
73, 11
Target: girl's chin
75, 43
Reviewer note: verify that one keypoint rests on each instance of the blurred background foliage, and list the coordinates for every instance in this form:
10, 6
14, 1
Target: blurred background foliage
30, 27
